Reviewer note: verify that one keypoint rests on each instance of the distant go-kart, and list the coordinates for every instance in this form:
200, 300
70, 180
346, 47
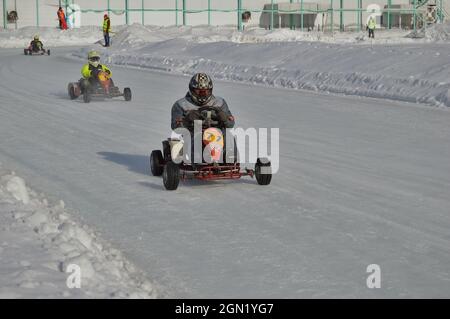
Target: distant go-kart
34, 51
102, 88
161, 163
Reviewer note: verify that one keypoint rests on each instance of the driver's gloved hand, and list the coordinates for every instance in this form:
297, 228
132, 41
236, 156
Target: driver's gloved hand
193, 115
95, 72
222, 116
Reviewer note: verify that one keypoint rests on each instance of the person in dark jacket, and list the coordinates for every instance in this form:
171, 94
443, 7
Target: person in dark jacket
187, 109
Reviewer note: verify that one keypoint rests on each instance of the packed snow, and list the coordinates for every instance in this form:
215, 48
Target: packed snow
397, 65
51, 37
38, 243
361, 180
394, 66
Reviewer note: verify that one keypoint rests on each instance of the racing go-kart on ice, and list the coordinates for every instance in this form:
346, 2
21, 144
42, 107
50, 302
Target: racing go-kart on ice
103, 87
30, 51
36, 47
162, 163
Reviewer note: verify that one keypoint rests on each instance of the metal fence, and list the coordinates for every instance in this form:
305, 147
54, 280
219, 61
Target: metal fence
323, 15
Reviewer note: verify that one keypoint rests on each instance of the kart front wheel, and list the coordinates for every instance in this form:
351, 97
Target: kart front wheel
48, 52
127, 94
156, 163
171, 176
263, 172
86, 96
72, 93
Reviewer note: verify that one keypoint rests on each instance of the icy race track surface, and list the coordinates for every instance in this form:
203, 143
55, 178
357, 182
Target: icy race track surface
361, 181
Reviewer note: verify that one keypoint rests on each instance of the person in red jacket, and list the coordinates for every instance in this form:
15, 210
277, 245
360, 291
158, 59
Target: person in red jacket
62, 19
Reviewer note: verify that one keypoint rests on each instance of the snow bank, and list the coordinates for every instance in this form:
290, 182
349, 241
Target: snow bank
354, 66
51, 37
135, 35
40, 242
397, 65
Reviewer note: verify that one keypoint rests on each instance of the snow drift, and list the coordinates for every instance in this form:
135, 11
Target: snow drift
397, 65
354, 66
38, 241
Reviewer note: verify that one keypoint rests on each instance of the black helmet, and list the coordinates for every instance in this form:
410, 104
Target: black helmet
200, 88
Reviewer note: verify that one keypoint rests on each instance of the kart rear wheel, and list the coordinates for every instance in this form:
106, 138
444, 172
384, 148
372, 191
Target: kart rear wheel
48, 52
86, 96
171, 176
127, 94
263, 172
156, 163
25, 51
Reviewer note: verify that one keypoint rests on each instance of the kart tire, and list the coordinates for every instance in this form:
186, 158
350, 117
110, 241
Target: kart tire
171, 176
263, 179
48, 52
72, 94
25, 51
127, 94
86, 96
156, 163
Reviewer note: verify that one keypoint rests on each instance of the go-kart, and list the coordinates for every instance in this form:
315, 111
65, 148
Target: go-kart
216, 168
35, 51
103, 87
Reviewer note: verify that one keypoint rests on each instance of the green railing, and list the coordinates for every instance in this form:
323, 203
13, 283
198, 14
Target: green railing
271, 11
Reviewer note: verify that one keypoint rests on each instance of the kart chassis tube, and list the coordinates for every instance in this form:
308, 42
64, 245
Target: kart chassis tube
214, 172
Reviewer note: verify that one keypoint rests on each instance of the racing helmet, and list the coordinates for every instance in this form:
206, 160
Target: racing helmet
200, 88
94, 58
36, 37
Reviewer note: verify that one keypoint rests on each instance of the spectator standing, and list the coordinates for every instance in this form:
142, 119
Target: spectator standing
106, 29
62, 19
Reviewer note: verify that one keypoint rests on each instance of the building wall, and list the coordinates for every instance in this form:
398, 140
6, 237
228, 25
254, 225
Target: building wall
47, 11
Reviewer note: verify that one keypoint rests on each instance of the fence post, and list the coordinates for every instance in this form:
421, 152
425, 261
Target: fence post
143, 12
109, 8
127, 18
302, 16
414, 15
341, 16
209, 12
37, 13
184, 12
239, 16
332, 17
4, 14
291, 16
271, 15
176, 13
359, 14
389, 14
